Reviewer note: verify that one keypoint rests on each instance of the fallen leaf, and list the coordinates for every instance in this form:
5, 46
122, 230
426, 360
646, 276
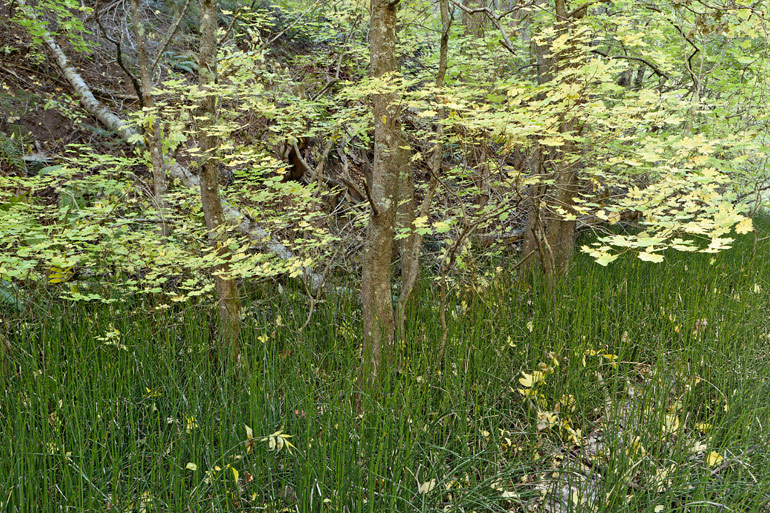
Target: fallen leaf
427, 486
713, 458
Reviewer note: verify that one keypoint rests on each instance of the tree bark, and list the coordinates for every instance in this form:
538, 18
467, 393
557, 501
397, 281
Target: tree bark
229, 304
408, 247
377, 303
151, 130
548, 237
87, 99
410, 255
474, 21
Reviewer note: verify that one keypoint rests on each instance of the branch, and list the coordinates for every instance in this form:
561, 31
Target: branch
579, 12
169, 35
681, 32
229, 27
506, 42
693, 54
375, 212
119, 57
291, 25
87, 99
653, 67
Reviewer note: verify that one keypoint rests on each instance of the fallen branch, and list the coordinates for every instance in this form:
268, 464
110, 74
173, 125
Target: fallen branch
87, 99
105, 116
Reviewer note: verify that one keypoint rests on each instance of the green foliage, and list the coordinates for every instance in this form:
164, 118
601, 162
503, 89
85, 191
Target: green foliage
65, 15
669, 143
11, 153
122, 405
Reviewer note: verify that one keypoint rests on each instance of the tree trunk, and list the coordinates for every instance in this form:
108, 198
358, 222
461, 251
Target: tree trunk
474, 22
151, 129
549, 240
229, 304
406, 212
377, 304
409, 247
410, 257
93, 106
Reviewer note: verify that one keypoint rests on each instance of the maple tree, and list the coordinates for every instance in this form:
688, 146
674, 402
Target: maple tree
640, 122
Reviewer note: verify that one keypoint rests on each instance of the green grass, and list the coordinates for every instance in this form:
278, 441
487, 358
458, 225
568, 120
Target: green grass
93, 423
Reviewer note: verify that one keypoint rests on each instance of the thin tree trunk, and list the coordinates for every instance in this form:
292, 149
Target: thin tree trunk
411, 254
377, 303
151, 129
229, 304
548, 236
405, 216
406, 207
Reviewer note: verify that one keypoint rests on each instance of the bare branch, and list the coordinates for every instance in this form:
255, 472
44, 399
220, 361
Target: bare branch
375, 212
653, 67
506, 42
119, 57
169, 35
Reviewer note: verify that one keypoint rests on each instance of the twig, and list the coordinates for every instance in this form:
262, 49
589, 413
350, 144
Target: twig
291, 25
654, 68
169, 35
375, 212
709, 503
119, 58
313, 299
229, 27
506, 42
727, 463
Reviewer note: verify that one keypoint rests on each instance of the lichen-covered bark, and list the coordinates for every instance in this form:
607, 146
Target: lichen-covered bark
549, 240
227, 292
151, 130
93, 106
377, 303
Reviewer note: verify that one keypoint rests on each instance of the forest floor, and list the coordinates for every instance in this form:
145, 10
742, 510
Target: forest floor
639, 387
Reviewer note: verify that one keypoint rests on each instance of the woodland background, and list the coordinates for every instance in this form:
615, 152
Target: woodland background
442, 255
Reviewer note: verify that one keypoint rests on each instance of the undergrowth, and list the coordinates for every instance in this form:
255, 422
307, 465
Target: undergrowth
638, 387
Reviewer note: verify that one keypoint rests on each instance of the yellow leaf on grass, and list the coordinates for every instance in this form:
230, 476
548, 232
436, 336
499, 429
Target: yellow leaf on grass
191, 423
529, 380
427, 486
713, 458
671, 424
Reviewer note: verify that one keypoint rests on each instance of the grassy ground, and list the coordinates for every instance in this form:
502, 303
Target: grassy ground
639, 387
